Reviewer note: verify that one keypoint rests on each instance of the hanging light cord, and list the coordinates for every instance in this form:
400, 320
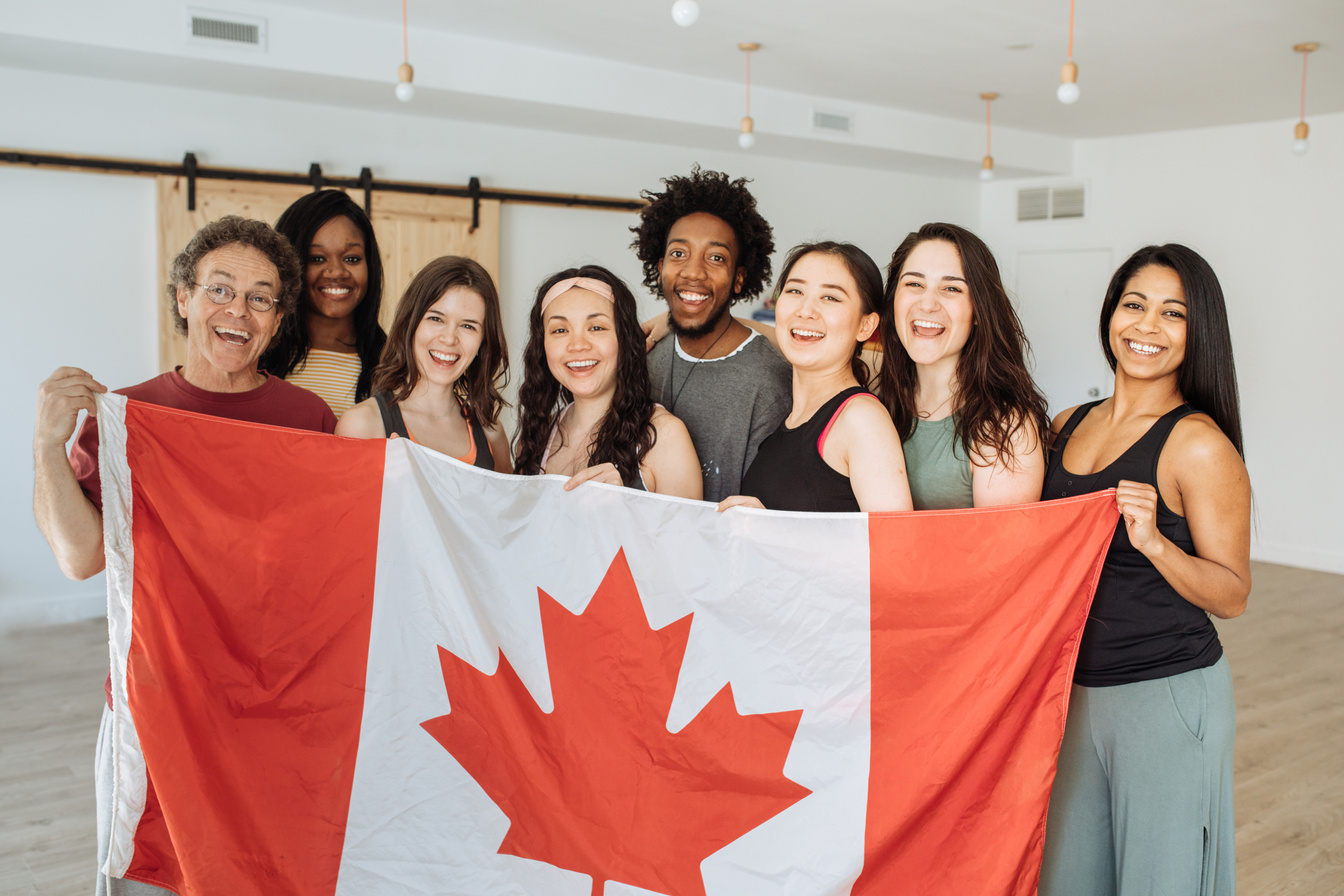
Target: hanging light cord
988, 150
1303, 113
749, 83
405, 44
1070, 30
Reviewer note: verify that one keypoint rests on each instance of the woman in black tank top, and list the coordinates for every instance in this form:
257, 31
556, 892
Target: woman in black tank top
1143, 791
438, 381
838, 449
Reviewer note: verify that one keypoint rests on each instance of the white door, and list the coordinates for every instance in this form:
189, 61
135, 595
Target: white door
1059, 296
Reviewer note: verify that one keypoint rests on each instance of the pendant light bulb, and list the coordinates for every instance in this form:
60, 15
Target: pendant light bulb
685, 12
1068, 92
987, 168
405, 89
1302, 129
1300, 143
746, 138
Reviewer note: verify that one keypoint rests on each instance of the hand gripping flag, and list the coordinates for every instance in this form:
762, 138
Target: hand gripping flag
359, 667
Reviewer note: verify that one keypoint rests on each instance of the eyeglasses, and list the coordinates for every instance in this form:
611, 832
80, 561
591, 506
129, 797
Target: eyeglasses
223, 295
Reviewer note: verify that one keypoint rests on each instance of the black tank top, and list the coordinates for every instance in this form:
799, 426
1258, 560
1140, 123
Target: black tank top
1139, 628
394, 422
788, 472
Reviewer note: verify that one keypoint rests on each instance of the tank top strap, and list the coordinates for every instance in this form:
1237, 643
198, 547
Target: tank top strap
1055, 461
393, 421
1155, 439
844, 398
484, 457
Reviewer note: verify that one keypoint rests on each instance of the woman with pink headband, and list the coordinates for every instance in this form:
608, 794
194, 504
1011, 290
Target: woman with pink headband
584, 406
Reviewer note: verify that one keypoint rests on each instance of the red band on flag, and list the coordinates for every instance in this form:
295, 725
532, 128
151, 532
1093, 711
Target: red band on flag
265, 702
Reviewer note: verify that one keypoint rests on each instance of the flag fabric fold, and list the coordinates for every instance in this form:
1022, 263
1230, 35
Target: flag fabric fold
359, 667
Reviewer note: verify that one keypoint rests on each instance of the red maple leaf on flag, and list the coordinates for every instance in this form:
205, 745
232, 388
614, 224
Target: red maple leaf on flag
599, 785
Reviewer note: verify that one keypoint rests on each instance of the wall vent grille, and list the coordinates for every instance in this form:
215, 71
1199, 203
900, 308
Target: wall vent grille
206, 26
1033, 204
1048, 203
832, 122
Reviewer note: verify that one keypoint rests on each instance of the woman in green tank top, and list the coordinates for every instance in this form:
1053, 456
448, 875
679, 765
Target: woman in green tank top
954, 375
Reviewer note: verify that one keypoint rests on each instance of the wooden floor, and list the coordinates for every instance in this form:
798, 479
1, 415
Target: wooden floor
1287, 656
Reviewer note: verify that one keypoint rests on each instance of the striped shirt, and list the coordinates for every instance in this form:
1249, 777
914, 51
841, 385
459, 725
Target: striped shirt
332, 375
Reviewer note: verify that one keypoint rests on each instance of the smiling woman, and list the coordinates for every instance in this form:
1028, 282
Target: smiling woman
954, 375
1144, 786
438, 383
332, 345
584, 405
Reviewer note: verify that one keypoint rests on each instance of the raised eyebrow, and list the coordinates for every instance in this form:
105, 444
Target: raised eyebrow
356, 244
683, 240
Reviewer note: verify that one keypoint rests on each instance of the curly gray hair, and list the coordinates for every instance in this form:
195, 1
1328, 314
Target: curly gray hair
233, 229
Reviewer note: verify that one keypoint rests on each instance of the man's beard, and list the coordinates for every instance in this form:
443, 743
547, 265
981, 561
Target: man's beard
696, 332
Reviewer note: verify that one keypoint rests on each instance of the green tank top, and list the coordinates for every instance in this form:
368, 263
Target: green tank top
939, 470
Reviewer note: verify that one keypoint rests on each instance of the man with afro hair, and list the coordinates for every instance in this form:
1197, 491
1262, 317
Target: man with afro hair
704, 246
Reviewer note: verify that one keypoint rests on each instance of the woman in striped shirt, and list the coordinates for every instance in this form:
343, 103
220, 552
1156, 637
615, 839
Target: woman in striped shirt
333, 344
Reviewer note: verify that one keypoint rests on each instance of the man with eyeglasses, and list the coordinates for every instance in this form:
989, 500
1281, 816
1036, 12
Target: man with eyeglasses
230, 289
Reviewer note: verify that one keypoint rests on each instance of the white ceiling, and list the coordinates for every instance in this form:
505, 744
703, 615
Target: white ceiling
909, 72
1146, 65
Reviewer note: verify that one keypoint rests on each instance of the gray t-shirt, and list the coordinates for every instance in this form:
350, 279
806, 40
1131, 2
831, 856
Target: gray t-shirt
729, 404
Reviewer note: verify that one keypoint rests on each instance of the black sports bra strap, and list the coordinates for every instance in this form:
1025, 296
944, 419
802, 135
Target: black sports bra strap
484, 457
393, 422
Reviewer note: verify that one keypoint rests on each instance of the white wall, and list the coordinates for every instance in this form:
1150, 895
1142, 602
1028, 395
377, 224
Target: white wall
1272, 225
85, 243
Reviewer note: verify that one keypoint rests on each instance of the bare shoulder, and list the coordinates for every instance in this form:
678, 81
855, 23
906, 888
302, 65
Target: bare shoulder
363, 421
1061, 418
866, 412
1197, 443
665, 423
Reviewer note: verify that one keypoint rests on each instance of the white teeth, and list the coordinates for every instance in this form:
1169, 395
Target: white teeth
443, 356
1143, 348
580, 365
246, 336
807, 334
692, 296
928, 324
335, 291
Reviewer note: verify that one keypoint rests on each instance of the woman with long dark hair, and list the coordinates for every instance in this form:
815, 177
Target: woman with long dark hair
954, 375
332, 345
584, 406
837, 450
1143, 793
438, 383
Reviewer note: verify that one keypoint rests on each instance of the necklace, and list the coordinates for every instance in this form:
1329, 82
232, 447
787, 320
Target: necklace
672, 367
924, 415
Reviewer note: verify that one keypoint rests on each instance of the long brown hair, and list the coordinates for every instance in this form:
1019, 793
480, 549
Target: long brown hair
996, 395
478, 387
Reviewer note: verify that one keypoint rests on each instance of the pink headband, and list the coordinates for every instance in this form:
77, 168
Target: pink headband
565, 286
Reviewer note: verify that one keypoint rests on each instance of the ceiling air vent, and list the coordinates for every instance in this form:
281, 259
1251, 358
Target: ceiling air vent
832, 122
1047, 203
225, 29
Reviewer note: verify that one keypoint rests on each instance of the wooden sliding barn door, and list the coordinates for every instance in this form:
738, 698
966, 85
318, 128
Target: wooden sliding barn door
411, 231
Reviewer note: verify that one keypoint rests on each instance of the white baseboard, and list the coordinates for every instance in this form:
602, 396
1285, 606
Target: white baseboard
1291, 555
32, 612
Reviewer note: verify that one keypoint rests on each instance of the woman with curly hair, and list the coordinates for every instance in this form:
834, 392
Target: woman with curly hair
584, 406
332, 345
438, 383
954, 375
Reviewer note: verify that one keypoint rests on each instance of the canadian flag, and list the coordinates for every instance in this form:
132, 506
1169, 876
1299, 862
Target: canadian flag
359, 667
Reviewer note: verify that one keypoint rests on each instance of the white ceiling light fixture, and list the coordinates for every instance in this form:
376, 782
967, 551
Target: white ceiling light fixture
987, 163
1300, 131
746, 137
405, 73
685, 12
1067, 92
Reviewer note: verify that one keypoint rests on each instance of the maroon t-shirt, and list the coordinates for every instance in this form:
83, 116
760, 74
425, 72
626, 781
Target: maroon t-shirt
275, 402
